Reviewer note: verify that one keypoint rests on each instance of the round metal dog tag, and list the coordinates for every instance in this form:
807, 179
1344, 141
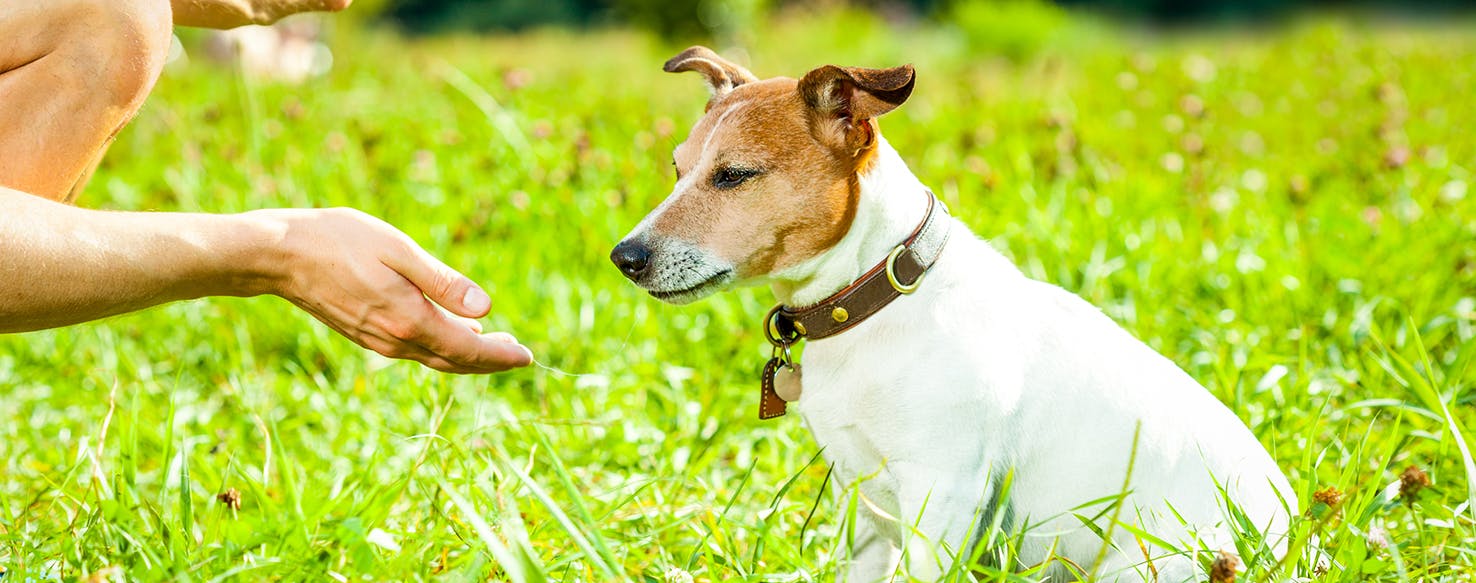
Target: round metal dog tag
787, 383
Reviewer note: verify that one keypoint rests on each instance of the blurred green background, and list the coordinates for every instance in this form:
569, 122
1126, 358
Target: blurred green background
699, 17
1282, 205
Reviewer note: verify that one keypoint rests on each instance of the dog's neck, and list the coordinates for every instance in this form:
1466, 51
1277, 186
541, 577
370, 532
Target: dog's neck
890, 206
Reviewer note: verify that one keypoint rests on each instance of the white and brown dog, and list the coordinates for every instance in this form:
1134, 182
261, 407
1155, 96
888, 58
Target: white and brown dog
959, 395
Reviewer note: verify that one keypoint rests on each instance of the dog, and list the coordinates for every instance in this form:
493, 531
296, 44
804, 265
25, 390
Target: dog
957, 395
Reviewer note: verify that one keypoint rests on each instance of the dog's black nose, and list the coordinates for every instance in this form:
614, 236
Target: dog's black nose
631, 257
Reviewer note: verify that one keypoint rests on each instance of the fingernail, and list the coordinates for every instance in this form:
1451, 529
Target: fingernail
527, 352
476, 300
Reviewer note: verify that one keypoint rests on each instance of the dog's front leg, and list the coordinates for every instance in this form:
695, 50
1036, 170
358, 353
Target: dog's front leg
940, 509
874, 555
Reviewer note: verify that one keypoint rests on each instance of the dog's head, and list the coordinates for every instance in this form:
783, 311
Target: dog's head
768, 178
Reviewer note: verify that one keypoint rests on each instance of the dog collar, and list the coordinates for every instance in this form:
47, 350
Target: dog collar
899, 274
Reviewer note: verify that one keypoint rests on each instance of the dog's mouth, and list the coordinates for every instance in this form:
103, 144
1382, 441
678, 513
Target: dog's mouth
688, 294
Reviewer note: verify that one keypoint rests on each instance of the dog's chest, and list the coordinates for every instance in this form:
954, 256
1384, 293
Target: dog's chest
848, 439
878, 408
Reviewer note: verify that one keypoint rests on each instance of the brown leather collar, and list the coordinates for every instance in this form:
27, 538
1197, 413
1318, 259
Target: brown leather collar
900, 274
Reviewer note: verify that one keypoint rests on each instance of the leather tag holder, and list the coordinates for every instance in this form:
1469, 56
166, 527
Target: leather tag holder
770, 405
900, 274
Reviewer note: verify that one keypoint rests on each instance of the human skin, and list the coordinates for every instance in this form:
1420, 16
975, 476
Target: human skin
234, 13
76, 72
358, 275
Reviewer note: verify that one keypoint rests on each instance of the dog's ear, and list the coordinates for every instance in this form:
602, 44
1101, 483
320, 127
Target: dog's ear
722, 75
844, 100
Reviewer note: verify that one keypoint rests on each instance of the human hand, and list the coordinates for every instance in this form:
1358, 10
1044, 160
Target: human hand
374, 285
224, 14
270, 11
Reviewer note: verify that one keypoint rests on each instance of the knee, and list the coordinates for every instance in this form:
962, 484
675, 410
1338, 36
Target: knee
118, 47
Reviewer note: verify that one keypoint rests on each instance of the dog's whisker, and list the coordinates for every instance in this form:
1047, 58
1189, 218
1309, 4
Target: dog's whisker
564, 373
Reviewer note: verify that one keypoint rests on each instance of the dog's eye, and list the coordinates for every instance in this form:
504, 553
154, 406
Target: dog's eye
730, 177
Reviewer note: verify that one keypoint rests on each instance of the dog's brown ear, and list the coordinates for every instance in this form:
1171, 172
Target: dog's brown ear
846, 99
722, 75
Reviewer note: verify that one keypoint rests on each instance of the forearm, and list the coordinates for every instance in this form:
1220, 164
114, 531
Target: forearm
224, 14
61, 265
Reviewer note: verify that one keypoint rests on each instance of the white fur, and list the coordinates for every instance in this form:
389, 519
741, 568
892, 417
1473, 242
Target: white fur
984, 371
678, 264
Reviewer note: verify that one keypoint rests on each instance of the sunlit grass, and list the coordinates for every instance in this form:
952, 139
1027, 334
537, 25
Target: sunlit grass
1287, 216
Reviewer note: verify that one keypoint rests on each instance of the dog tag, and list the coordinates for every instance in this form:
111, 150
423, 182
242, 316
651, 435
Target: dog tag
770, 404
787, 383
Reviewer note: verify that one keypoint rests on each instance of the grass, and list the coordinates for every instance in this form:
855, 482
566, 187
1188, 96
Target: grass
1287, 215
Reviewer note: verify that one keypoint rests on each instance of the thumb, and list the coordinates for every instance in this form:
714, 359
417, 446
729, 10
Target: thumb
440, 283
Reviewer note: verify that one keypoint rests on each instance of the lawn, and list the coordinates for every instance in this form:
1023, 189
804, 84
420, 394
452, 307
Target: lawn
1286, 213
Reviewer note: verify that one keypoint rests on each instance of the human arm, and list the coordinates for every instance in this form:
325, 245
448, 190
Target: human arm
224, 14
62, 265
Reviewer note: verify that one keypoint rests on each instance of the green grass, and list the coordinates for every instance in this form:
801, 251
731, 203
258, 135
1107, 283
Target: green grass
1286, 215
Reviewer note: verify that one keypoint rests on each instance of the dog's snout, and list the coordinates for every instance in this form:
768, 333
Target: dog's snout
632, 257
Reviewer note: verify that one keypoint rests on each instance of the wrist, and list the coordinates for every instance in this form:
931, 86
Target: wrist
255, 257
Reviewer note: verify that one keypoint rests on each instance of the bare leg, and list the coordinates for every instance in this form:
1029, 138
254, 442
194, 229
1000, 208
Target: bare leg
72, 74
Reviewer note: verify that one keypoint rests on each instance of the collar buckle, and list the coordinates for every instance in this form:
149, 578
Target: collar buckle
784, 327
904, 289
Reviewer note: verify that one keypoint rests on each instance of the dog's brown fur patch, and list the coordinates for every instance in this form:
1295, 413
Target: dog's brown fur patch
809, 140
800, 205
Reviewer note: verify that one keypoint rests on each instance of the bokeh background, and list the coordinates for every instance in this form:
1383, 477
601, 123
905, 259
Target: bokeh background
707, 17
1275, 195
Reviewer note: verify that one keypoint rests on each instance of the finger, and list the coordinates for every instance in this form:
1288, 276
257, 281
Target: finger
487, 354
443, 364
446, 366
404, 351
443, 285
492, 352
399, 350
388, 346
471, 323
